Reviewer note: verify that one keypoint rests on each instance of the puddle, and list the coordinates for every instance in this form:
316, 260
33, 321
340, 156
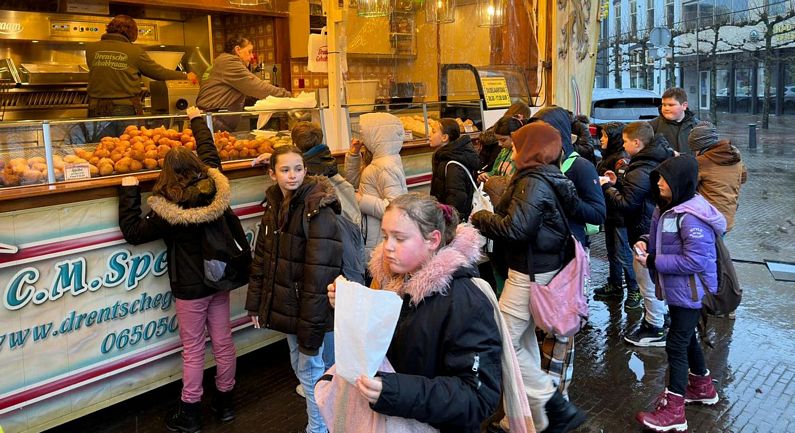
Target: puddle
636, 365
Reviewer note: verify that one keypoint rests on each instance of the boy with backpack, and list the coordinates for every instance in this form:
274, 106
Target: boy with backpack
680, 253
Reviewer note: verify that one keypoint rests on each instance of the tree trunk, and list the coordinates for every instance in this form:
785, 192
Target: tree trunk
713, 79
617, 70
767, 64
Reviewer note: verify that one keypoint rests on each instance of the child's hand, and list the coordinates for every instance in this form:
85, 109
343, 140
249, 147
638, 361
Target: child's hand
332, 294
129, 181
370, 388
356, 146
640, 252
611, 176
263, 159
193, 112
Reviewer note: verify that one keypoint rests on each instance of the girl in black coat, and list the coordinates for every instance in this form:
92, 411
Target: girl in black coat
190, 195
532, 231
451, 183
446, 348
298, 253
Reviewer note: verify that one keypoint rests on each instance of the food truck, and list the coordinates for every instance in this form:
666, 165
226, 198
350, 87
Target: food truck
88, 320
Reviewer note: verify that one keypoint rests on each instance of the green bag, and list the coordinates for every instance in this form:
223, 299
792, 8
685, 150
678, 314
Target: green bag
590, 229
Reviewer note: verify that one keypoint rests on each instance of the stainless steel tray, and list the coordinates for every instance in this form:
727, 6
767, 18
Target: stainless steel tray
53, 73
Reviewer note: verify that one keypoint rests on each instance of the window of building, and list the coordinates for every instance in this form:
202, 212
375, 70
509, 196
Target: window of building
633, 17
690, 14
604, 29
723, 10
776, 7
722, 89
649, 14
707, 13
617, 9
669, 13
739, 11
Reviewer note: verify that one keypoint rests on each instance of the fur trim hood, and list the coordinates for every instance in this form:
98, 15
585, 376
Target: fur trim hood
175, 214
436, 276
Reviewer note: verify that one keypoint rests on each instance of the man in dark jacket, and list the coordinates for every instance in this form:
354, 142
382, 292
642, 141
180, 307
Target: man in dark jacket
675, 120
633, 198
450, 183
582, 173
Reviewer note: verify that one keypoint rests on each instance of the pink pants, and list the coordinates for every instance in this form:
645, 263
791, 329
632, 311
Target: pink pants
193, 315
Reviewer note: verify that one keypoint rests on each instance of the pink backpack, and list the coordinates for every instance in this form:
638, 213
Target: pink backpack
559, 307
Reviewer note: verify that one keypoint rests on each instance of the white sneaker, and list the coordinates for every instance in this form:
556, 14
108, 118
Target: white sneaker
300, 390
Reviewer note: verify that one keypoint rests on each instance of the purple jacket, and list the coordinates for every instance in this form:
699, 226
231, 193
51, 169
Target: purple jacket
686, 250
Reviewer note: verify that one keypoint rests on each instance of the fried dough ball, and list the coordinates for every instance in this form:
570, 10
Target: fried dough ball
116, 156
123, 165
94, 170
150, 163
105, 169
162, 150
31, 176
136, 165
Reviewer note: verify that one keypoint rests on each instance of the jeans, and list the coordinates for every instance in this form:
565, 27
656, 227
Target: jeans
619, 257
515, 308
194, 315
683, 349
308, 369
328, 350
655, 309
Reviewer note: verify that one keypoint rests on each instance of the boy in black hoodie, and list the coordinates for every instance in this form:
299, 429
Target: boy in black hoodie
675, 120
632, 198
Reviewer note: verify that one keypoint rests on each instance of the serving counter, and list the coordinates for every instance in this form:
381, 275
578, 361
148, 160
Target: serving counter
88, 320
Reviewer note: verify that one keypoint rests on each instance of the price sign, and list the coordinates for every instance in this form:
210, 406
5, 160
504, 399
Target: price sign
495, 90
77, 171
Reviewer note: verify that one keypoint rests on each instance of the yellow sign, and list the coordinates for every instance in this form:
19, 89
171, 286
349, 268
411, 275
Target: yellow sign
495, 90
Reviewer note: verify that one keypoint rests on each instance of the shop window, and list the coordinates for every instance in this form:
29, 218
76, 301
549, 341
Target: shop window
742, 89
789, 88
722, 89
760, 88
669, 13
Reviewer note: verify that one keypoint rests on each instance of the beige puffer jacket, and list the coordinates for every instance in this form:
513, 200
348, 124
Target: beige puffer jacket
383, 178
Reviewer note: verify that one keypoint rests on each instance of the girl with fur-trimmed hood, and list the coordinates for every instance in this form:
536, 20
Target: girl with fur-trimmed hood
298, 253
446, 347
190, 194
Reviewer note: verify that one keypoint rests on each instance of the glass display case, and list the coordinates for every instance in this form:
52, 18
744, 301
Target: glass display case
42, 152
418, 118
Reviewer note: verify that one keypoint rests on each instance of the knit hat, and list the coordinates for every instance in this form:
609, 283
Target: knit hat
703, 136
536, 144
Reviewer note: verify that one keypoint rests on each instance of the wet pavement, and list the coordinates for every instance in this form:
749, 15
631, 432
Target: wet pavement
753, 359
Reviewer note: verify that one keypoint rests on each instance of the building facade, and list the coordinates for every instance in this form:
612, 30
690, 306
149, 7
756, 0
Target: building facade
730, 36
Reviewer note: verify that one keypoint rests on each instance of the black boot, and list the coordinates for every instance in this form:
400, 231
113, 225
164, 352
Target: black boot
563, 416
223, 406
187, 418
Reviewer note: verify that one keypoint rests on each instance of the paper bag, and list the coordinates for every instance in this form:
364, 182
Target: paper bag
317, 52
364, 321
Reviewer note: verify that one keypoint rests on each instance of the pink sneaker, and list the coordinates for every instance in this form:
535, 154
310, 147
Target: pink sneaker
669, 415
700, 389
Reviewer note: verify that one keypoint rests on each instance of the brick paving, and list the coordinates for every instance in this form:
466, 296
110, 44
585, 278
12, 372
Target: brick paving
753, 361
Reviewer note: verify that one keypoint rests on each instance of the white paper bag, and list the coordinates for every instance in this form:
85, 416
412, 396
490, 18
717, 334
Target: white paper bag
317, 52
364, 321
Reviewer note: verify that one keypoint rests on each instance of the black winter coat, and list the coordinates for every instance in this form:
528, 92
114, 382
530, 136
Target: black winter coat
615, 159
292, 268
180, 225
676, 133
455, 186
446, 348
527, 214
591, 206
632, 197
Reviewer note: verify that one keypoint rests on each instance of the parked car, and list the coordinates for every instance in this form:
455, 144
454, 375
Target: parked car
624, 105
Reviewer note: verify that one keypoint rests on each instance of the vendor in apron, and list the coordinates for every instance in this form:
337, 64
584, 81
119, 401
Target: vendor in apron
115, 68
230, 82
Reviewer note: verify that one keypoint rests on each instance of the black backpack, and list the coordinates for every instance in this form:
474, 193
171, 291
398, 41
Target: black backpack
729, 293
226, 253
352, 248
